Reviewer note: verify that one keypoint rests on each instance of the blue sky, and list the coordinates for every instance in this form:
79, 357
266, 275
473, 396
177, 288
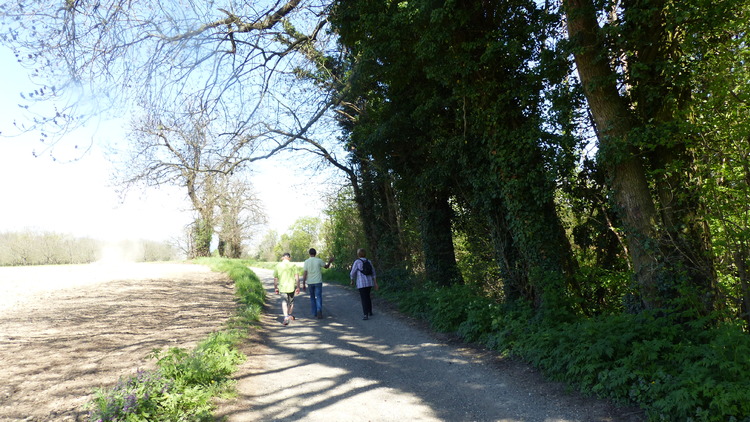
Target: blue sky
74, 196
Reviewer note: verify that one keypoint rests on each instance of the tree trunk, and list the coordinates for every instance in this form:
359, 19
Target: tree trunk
661, 96
437, 239
613, 121
202, 234
513, 269
378, 210
740, 260
668, 245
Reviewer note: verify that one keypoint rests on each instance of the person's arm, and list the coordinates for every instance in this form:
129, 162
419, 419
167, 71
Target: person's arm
296, 277
304, 280
276, 285
374, 277
328, 264
353, 272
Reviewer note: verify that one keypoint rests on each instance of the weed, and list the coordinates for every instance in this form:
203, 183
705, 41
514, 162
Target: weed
185, 382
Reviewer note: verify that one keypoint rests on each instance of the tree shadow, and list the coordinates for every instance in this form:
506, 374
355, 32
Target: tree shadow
343, 368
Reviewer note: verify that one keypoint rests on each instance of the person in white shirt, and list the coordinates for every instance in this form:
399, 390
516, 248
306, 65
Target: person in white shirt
313, 276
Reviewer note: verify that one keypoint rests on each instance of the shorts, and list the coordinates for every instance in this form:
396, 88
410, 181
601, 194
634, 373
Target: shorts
289, 297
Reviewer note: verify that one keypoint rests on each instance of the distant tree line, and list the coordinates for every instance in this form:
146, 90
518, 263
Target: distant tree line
49, 248
337, 234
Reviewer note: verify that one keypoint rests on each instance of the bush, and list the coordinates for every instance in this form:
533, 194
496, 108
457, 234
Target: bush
674, 371
136, 397
209, 365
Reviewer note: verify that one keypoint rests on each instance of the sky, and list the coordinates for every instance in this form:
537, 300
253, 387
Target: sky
72, 194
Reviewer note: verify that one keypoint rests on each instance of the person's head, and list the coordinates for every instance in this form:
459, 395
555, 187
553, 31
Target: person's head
286, 256
313, 252
361, 253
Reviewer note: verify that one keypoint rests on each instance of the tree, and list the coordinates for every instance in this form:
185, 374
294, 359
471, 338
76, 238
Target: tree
456, 116
181, 150
389, 113
723, 154
185, 150
343, 231
130, 53
267, 248
240, 213
636, 74
302, 235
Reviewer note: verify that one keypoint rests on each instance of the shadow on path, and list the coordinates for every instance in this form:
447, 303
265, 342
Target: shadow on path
342, 368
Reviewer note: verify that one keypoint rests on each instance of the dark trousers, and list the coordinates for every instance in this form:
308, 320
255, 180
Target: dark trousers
364, 294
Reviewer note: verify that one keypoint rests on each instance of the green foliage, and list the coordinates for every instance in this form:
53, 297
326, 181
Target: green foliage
247, 286
343, 232
138, 397
183, 385
210, 363
266, 250
603, 291
302, 235
337, 275
673, 371
181, 388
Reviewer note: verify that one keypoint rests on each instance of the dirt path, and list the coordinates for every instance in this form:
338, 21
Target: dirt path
65, 330
342, 368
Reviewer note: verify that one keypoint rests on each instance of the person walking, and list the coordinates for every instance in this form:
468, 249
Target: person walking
286, 283
313, 277
363, 272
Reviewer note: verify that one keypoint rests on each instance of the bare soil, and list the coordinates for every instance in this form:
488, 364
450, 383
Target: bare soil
66, 330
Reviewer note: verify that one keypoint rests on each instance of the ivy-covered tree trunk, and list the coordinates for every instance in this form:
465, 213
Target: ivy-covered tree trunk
513, 268
202, 234
378, 210
437, 239
538, 234
661, 89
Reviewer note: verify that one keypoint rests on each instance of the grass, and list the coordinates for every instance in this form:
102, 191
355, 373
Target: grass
184, 383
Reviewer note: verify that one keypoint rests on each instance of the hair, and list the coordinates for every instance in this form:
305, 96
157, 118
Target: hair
361, 253
313, 252
286, 255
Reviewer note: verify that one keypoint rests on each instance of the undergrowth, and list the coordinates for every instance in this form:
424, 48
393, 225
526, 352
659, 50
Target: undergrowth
673, 371
184, 383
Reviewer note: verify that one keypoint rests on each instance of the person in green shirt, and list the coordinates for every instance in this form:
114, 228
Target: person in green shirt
286, 281
313, 276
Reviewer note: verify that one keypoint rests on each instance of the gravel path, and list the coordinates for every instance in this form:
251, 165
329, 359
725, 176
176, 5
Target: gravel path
388, 368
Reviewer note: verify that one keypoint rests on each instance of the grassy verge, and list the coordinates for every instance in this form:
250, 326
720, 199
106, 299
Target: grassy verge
184, 383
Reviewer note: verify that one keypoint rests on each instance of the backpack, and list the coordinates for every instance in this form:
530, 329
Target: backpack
366, 267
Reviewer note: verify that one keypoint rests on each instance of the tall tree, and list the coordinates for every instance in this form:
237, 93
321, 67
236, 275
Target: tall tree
184, 150
393, 130
639, 88
455, 112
